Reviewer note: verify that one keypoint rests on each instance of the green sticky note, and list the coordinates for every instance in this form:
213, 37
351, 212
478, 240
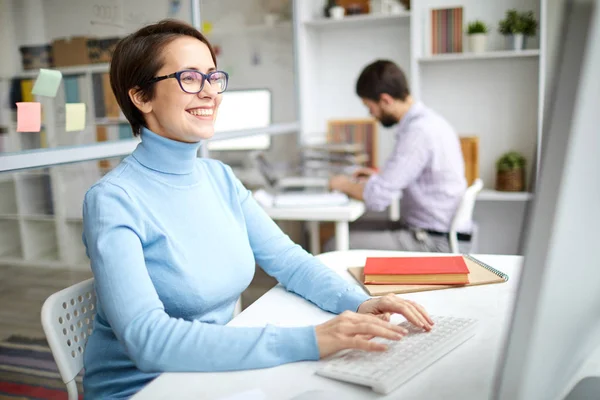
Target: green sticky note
75, 116
47, 83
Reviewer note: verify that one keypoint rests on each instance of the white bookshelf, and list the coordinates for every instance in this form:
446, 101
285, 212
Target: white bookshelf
35, 204
357, 20
495, 95
488, 55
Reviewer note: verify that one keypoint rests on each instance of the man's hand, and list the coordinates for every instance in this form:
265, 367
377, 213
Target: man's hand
340, 183
363, 172
383, 307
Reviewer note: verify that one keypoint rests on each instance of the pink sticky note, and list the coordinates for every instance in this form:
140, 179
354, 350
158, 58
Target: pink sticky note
29, 117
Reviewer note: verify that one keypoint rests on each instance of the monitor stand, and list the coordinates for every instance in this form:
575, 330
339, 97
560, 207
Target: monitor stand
586, 389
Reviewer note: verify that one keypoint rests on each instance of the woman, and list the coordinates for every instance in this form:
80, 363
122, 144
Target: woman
173, 239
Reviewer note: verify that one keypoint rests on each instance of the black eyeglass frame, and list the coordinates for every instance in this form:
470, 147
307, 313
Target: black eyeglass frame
177, 75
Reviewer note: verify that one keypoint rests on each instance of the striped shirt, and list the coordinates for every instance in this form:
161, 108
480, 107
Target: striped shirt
427, 167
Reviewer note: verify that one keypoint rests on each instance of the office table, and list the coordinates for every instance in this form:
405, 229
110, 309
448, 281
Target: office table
342, 215
465, 373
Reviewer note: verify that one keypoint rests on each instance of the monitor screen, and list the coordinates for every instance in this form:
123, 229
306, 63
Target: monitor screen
239, 110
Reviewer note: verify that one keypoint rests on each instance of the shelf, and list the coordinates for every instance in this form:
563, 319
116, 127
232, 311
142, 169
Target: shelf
488, 55
495, 195
42, 242
35, 192
38, 217
10, 242
110, 121
8, 200
250, 29
9, 217
74, 70
359, 20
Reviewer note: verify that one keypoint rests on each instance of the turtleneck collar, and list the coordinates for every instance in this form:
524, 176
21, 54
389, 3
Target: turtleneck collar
166, 155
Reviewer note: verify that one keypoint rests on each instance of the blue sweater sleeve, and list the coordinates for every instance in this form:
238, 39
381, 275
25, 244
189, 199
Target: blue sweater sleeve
156, 342
291, 265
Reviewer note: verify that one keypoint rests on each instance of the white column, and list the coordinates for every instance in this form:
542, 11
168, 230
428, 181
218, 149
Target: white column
342, 236
314, 237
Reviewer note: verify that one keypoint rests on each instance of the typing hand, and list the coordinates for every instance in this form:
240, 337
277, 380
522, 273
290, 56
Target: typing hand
383, 307
363, 173
350, 330
339, 182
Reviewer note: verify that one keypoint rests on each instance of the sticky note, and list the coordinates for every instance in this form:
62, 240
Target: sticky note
29, 117
47, 83
75, 116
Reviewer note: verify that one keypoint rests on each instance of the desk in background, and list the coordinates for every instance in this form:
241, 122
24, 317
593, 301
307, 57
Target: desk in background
465, 373
342, 215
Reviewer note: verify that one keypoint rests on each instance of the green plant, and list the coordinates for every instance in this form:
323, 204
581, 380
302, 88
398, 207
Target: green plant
515, 22
477, 26
510, 161
529, 23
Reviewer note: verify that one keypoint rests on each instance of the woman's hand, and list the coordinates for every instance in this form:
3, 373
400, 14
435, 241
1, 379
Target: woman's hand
383, 307
350, 330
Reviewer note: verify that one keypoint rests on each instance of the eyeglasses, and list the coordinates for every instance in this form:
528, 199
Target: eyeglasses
192, 81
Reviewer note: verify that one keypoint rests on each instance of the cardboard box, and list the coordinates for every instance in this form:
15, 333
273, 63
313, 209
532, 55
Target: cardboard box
70, 51
35, 57
101, 50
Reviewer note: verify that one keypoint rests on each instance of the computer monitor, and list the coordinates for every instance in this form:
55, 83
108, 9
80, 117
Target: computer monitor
556, 321
239, 110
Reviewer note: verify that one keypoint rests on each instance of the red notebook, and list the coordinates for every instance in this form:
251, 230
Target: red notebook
450, 270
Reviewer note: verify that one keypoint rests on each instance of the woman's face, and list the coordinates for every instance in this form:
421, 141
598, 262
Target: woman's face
173, 113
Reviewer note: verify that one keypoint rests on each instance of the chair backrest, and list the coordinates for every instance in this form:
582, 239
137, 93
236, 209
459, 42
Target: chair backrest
67, 319
464, 212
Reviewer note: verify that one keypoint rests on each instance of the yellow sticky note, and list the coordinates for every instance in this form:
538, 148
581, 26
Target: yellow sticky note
47, 83
207, 28
75, 116
29, 117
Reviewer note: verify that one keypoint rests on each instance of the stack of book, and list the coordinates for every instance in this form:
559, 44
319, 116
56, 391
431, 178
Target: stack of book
416, 271
383, 275
333, 157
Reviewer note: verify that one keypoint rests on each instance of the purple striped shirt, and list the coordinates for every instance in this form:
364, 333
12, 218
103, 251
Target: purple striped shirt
427, 167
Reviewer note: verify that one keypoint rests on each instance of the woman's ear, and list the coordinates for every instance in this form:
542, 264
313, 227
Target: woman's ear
137, 97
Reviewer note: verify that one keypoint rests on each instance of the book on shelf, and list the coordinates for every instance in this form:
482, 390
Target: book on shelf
446, 30
416, 270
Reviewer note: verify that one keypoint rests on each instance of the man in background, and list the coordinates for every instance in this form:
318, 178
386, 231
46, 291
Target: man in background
426, 166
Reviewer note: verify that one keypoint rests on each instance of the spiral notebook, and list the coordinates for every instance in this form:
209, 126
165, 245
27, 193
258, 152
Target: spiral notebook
480, 274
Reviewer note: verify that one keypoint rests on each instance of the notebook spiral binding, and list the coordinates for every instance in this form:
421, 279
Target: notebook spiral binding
486, 266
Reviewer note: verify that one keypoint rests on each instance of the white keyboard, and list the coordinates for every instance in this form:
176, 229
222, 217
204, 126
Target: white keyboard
386, 371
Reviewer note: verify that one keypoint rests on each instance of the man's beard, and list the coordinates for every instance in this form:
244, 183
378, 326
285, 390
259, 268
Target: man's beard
388, 120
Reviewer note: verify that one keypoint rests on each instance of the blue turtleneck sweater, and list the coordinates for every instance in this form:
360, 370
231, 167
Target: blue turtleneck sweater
173, 240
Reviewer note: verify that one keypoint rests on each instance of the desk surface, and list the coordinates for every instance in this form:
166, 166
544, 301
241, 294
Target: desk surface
343, 213
465, 373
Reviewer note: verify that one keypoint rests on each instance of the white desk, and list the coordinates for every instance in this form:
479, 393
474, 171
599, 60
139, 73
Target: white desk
465, 373
342, 215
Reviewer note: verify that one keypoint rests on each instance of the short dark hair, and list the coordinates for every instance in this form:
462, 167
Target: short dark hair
379, 77
137, 59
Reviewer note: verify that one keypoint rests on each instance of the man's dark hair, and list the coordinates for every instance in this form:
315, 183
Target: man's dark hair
138, 57
382, 76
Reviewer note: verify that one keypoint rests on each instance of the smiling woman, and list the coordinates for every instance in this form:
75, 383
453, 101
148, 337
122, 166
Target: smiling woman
174, 239
183, 108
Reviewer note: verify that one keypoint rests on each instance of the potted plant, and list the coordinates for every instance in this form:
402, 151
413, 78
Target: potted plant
477, 34
516, 27
510, 174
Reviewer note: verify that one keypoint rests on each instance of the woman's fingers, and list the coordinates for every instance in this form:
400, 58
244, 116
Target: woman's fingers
359, 343
421, 309
406, 308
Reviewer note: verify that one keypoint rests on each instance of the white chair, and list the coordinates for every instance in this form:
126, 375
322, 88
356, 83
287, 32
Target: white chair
67, 319
464, 213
